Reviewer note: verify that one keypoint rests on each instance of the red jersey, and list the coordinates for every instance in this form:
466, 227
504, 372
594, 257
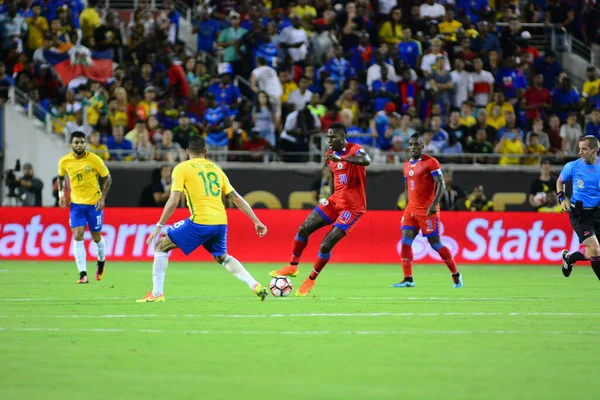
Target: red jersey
350, 181
420, 184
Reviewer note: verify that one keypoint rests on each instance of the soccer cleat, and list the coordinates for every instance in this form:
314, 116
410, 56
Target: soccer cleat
290, 270
566, 266
83, 279
305, 287
260, 291
151, 299
100, 271
457, 279
404, 283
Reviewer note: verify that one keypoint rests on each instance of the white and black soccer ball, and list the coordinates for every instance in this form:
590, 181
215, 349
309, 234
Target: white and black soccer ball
281, 286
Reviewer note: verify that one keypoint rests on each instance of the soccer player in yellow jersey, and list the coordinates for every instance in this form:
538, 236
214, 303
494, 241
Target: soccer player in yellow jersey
87, 200
203, 184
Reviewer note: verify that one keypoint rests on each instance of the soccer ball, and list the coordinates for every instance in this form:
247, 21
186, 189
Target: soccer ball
281, 286
539, 198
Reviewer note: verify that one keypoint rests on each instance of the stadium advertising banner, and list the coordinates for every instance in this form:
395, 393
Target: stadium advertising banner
493, 237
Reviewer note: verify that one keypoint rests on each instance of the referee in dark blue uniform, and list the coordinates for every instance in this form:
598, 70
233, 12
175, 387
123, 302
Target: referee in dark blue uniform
584, 205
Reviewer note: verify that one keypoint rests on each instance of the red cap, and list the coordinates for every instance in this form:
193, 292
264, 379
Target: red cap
390, 108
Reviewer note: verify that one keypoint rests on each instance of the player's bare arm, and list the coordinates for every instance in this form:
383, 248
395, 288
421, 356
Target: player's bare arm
61, 192
106, 182
406, 191
440, 185
565, 202
169, 209
243, 205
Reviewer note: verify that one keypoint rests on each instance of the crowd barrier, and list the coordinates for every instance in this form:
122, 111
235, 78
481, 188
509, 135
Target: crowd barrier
492, 237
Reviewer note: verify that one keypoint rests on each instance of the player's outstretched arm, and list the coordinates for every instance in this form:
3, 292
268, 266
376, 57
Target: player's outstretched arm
169, 209
243, 205
440, 185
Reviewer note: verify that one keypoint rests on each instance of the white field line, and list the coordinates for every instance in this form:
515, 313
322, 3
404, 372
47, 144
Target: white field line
310, 315
311, 333
250, 298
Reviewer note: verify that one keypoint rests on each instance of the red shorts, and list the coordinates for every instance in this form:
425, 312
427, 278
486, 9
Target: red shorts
345, 220
428, 225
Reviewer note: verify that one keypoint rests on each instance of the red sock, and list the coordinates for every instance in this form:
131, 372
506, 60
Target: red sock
322, 260
297, 249
407, 259
444, 252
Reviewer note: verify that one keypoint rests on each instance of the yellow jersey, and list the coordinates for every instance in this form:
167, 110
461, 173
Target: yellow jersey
590, 88
88, 21
204, 185
83, 176
101, 151
509, 147
448, 28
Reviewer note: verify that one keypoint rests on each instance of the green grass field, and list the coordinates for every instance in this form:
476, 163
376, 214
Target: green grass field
510, 333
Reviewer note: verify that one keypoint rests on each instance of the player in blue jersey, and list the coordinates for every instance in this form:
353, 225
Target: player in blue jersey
584, 205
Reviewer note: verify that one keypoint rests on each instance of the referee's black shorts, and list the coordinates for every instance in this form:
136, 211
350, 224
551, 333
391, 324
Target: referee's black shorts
587, 224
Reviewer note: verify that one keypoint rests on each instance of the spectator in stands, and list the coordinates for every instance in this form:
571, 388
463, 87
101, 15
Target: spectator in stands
544, 184
511, 80
534, 149
483, 84
287, 83
96, 147
121, 149
536, 100
511, 38
593, 126
144, 148
347, 101
374, 71
231, 40
549, 68
77, 124
89, 20
258, 145
429, 60
299, 126
207, 29
300, 97
391, 31
264, 78
553, 132
463, 83
354, 131
480, 145
37, 26
429, 146
6, 82
449, 26
13, 28
511, 126
510, 145
295, 40
538, 129
528, 53
591, 86
226, 93
440, 136
482, 117
456, 129
108, 36
384, 91
216, 121
330, 94
570, 134
441, 84
454, 196
168, 150
486, 42
332, 116
339, 68
177, 80
184, 130
403, 132
148, 106
265, 118
477, 201
134, 134
565, 99
409, 49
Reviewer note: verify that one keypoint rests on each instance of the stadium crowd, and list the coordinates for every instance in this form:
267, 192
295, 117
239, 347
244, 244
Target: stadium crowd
386, 69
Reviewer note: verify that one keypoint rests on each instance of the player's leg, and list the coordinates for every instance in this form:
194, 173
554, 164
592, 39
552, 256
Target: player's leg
317, 219
331, 239
159, 270
446, 256
584, 229
95, 220
410, 229
406, 254
217, 246
593, 248
78, 221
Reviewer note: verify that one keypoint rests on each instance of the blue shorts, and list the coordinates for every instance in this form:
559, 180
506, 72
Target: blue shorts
188, 236
86, 214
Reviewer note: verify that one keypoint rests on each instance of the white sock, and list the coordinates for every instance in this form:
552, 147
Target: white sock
101, 249
159, 269
238, 270
80, 255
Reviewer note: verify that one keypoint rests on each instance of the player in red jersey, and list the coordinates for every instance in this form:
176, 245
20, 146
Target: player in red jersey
424, 183
343, 208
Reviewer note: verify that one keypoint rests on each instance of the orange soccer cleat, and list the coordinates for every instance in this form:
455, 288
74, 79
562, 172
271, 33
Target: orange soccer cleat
151, 299
306, 287
289, 270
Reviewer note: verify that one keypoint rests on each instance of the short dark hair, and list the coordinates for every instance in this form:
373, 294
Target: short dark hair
76, 134
545, 161
592, 141
197, 144
338, 126
418, 135
261, 61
